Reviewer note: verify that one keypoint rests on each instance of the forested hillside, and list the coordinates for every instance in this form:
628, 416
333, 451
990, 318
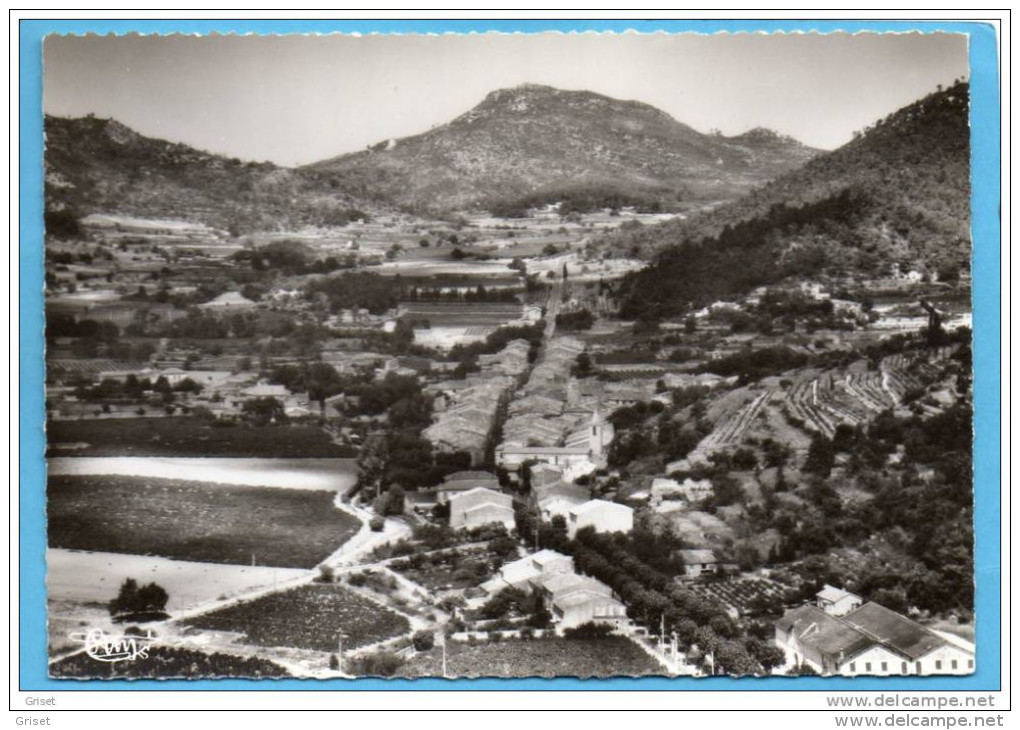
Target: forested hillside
899, 193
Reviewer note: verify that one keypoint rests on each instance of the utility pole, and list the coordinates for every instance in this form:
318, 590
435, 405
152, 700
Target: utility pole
444, 656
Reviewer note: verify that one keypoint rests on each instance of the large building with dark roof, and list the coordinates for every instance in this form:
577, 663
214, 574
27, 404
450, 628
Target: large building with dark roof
870, 640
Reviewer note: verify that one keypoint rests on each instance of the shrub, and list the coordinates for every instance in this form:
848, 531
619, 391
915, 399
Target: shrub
423, 640
139, 603
376, 524
326, 574
589, 630
383, 664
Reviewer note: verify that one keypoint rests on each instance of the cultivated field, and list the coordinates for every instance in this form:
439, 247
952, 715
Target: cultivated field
286, 528
188, 437
743, 594
167, 663
308, 617
445, 570
553, 657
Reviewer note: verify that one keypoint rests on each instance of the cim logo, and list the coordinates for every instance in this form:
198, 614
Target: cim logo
105, 647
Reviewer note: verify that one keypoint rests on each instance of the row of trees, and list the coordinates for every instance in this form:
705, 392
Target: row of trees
625, 563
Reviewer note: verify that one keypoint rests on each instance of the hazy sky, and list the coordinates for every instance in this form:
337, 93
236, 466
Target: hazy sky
297, 99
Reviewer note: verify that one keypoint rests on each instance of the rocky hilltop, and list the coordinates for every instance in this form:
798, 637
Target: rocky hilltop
529, 139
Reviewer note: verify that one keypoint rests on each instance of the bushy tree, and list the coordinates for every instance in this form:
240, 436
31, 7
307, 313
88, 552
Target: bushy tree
139, 603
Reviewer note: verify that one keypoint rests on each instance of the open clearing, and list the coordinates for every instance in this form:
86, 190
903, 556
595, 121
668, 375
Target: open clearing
337, 475
221, 523
307, 617
553, 657
95, 577
188, 436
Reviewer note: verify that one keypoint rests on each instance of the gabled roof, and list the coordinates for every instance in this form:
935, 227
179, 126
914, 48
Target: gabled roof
487, 496
468, 486
582, 597
230, 298
461, 475
834, 595
598, 505
698, 556
560, 584
542, 557
894, 630
488, 506
814, 627
519, 571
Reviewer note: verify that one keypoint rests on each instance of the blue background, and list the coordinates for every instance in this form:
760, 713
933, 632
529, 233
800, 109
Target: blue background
985, 169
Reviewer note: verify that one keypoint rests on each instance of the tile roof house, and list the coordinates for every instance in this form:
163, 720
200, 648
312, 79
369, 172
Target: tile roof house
229, 301
519, 573
464, 481
577, 493
587, 607
601, 515
871, 640
836, 601
481, 506
559, 506
697, 562
575, 599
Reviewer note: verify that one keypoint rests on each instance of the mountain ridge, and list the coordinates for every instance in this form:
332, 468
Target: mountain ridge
897, 195
522, 139
530, 142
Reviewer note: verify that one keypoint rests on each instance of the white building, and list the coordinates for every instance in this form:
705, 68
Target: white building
520, 573
481, 506
574, 599
602, 516
587, 607
697, 562
230, 301
837, 602
871, 640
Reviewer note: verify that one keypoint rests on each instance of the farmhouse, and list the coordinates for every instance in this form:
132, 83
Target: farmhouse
871, 640
265, 390
531, 313
600, 515
557, 506
230, 301
587, 607
481, 506
519, 573
464, 481
553, 585
836, 601
697, 562
560, 489
574, 599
